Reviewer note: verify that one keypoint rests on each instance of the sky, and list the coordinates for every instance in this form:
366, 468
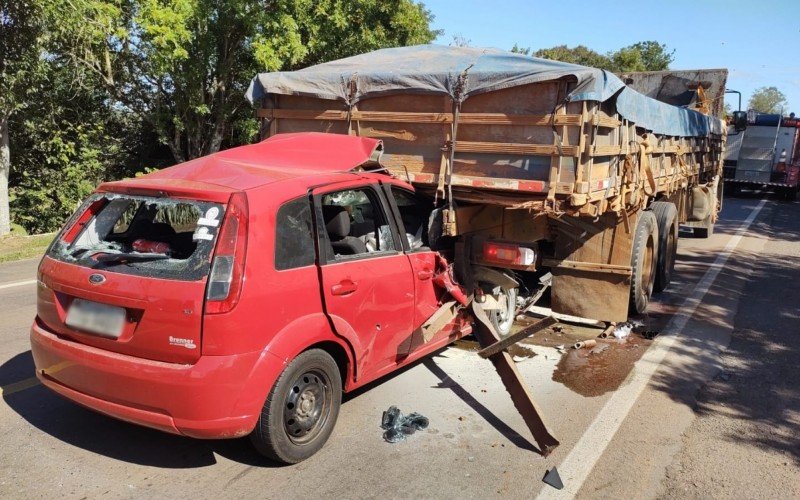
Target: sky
758, 41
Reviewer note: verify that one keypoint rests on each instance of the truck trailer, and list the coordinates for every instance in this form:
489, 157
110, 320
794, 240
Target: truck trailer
548, 174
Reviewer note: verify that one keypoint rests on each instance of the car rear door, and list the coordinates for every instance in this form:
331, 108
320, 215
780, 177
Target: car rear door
367, 283
412, 216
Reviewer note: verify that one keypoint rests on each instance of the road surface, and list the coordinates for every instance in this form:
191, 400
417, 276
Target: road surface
711, 407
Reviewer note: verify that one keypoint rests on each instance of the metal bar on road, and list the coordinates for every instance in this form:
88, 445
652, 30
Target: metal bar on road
520, 395
516, 337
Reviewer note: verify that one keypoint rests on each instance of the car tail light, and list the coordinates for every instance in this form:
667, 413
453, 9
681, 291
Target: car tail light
227, 269
78, 221
503, 253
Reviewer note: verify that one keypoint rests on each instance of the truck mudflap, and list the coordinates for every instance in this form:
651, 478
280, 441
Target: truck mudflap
495, 349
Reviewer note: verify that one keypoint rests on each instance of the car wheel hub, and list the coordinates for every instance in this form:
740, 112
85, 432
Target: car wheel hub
307, 405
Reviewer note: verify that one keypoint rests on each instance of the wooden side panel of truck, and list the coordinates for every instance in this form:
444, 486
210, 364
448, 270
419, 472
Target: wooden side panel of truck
522, 164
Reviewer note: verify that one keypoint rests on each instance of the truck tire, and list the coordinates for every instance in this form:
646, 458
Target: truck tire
301, 409
667, 218
643, 262
503, 318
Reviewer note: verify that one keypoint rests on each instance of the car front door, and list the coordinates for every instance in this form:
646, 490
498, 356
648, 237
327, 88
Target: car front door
367, 281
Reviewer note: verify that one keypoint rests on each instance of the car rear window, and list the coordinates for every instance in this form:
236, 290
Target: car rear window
156, 237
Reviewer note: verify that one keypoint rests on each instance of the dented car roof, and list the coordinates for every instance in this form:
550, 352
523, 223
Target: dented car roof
281, 157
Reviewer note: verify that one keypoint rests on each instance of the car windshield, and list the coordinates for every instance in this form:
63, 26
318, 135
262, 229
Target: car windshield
156, 237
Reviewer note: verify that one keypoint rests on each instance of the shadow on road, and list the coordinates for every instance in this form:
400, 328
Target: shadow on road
75, 425
757, 383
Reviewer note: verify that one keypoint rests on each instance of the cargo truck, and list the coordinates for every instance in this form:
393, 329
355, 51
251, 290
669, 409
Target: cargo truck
765, 156
550, 174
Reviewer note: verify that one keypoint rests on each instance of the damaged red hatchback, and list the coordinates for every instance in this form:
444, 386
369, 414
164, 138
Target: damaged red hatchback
241, 293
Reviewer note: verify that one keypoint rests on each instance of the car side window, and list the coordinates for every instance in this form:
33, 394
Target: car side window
414, 215
294, 241
355, 223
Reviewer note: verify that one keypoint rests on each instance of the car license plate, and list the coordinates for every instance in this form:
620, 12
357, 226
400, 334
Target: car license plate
96, 318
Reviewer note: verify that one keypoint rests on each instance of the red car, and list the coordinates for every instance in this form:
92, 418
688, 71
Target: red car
240, 293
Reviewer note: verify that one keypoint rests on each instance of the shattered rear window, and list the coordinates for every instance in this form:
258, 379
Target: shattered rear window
155, 237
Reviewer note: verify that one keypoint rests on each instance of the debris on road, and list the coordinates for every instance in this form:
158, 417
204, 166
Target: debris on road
398, 426
608, 331
623, 330
553, 479
584, 344
649, 334
564, 318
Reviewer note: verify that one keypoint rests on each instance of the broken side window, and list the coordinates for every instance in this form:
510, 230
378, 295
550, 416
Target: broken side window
294, 241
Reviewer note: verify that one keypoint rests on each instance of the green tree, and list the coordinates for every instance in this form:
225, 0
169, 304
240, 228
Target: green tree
21, 32
641, 56
767, 100
517, 49
183, 65
576, 55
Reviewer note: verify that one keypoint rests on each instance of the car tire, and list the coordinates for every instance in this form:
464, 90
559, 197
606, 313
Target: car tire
643, 262
667, 219
503, 319
301, 409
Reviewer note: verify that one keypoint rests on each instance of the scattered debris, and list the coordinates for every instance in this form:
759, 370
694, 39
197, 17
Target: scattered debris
585, 344
553, 479
397, 426
471, 459
564, 318
608, 331
561, 348
600, 348
623, 330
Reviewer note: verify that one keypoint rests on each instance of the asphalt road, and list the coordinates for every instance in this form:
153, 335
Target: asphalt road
711, 407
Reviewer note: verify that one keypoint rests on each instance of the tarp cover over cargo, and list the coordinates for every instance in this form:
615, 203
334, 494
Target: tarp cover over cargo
435, 69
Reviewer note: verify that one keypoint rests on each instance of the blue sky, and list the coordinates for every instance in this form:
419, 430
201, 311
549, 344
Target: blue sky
758, 40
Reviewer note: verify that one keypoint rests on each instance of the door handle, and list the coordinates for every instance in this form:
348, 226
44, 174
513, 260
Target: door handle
344, 287
425, 274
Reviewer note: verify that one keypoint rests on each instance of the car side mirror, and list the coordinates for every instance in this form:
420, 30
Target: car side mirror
739, 120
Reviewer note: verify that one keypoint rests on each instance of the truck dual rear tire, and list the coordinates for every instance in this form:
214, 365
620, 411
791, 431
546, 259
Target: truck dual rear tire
301, 409
667, 219
643, 262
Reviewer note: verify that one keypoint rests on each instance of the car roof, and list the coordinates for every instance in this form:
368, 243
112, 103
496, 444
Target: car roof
281, 157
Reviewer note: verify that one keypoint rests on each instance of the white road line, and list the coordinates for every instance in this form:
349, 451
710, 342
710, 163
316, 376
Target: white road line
580, 461
17, 283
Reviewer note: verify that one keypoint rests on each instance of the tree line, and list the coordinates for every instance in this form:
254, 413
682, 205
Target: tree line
94, 90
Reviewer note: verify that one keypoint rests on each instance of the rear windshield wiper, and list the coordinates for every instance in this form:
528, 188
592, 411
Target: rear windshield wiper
114, 258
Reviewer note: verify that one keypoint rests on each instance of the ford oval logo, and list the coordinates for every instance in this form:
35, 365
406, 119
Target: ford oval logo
96, 279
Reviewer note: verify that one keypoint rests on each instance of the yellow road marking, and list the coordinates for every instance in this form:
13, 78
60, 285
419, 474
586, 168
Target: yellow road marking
10, 389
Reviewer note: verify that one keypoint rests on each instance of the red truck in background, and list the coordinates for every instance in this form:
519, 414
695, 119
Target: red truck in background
764, 156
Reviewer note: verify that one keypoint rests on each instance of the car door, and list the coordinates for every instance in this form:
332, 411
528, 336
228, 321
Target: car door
367, 283
411, 213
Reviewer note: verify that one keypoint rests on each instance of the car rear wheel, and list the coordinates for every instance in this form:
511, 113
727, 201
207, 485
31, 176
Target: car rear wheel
301, 409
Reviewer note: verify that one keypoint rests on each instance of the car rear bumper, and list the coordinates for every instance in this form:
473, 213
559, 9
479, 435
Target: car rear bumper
216, 397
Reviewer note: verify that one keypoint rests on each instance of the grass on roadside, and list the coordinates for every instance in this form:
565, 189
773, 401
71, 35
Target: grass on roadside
14, 247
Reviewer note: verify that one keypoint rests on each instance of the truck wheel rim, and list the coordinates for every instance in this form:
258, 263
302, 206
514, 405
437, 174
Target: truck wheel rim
505, 315
307, 406
647, 267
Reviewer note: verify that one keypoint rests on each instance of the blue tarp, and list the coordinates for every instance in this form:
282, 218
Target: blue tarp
436, 69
